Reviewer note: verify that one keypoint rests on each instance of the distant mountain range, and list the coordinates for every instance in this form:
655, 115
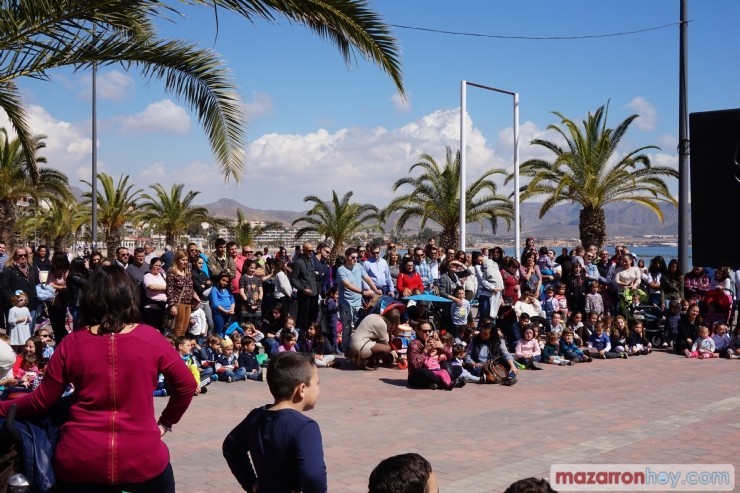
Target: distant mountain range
624, 220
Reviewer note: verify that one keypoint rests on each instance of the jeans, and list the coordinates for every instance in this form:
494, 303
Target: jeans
220, 320
348, 316
271, 346
484, 309
236, 375
255, 376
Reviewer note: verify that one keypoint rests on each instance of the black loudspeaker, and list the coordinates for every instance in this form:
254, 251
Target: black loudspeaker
715, 187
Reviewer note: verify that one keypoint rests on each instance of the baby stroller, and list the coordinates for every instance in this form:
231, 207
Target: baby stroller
651, 317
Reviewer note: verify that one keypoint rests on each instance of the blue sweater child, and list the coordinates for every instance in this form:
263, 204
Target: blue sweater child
248, 360
599, 344
569, 349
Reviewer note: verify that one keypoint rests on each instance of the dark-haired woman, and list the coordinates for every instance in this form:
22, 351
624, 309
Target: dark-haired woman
58, 308
76, 281
113, 365
489, 346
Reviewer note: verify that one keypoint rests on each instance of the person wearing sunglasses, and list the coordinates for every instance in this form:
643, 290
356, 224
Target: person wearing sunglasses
353, 284
377, 268
19, 275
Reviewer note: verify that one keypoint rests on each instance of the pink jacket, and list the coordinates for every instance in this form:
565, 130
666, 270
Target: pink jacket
527, 349
111, 434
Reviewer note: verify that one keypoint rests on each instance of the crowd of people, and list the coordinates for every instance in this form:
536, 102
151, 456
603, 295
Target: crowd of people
228, 313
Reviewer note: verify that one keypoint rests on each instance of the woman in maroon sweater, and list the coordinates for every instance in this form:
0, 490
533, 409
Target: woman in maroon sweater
113, 364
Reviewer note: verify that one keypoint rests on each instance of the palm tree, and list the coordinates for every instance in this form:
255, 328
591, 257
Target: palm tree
171, 213
116, 206
584, 173
61, 221
338, 220
21, 178
244, 232
37, 36
436, 196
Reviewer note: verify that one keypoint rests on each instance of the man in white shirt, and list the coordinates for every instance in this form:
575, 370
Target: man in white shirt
377, 269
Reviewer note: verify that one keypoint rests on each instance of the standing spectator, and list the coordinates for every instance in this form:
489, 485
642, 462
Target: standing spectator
3, 260
232, 251
377, 269
283, 289
303, 280
696, 284
137, 266
180, 293
652, 279
155, 293
41, 259
122, 256
168, 258
250, 292
201, 286
76, 281
18, 275
394, 266
219, 261
422, 267
58, 308
671, 283
148, 252
350, 277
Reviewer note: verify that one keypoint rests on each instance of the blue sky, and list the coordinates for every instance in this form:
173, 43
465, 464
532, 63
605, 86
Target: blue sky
316, 124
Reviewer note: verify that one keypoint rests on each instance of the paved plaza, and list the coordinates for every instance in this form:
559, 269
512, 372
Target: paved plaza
660, 408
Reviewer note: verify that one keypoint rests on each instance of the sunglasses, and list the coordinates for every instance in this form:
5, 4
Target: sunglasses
376, 253
247, 251
353, 257
22, 255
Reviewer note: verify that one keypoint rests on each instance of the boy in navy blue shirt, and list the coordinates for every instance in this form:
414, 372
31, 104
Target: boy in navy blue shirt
248, 359
277, 448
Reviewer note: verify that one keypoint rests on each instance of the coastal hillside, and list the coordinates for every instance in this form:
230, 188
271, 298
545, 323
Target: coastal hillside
627, 219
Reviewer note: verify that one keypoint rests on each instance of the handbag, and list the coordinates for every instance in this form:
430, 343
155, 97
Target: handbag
494, 372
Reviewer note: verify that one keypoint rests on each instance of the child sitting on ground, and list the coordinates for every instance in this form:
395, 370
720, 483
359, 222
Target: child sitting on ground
570, 350
458, 355
514, 331
208, 354
288, 341
599, 345
184, 348
733, 350
638, 343
556, 325
575, 324
276, 445
227, 364
28, 371
248, 359
589, 326
620, 336
703, 347
721, 340
312, 342
527, 351
551, 352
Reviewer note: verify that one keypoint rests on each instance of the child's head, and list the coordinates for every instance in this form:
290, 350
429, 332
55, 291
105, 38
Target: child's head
182, 344
227, 346
313, 330
293, 377
459, 292
636, 327
236, 337
703, 332
636, 298
290, 322
553, 337
34, 346
223, 279
214, 342
568, 336
447, 339
524, 319
549, 291
720, 329
249, 344
556, 318
561, 288
576, 317
29, 361
287, 338
528, 333
594, 287
248, 327
19, 299
458, 351
685, 306
194, 304
172, 339
599, 328
593, 317
333, 293
620, 323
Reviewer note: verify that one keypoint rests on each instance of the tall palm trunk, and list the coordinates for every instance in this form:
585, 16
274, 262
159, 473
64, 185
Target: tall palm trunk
8, 215
450, 238
169, 239
112, 241
592, 225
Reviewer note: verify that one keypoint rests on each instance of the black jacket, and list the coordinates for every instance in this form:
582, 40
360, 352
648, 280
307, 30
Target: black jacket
11, 280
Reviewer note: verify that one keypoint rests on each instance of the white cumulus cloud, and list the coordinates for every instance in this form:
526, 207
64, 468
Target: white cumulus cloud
161, 117
114, 85
648, 114
401, 104
259, 105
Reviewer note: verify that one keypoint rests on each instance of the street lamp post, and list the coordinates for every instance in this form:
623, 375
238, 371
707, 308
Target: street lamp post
463, 112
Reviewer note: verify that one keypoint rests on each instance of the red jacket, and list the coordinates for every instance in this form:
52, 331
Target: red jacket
111, 435
411, 282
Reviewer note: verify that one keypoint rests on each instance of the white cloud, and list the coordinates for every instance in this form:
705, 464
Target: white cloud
161, 117
112, 86
402, 105
68, 146
668, 142
648, 115
260, 104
